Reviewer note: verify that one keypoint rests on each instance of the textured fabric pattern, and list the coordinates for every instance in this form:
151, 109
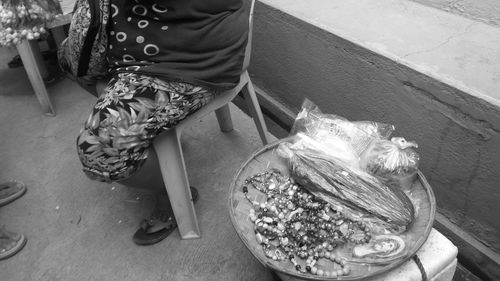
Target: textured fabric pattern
201, 42
131, 112
98, 64
69, 53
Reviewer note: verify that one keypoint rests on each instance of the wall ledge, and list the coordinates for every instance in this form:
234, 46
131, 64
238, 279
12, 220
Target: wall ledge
457, 51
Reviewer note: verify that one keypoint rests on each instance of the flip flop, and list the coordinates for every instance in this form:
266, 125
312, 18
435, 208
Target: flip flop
17, 242
159, 226
154, 230
10, 191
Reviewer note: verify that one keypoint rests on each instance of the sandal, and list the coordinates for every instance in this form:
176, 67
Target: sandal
10, 243
161, 223
10, 191
15, 62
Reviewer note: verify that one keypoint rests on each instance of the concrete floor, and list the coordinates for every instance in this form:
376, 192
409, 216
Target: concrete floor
78, 229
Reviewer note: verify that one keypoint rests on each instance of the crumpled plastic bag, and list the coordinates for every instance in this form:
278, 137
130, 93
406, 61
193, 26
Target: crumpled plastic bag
333, 128
324, 156
362, 145
356, 193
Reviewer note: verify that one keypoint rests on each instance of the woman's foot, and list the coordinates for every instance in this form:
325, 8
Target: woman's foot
10, 243
161, 223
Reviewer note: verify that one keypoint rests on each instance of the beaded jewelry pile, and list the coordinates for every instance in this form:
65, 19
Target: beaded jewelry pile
25, 19
293, 223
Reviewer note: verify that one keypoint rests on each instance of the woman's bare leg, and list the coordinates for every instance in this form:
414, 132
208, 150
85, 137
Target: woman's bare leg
148, 176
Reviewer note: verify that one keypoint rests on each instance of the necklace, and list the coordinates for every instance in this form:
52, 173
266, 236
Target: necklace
292, 223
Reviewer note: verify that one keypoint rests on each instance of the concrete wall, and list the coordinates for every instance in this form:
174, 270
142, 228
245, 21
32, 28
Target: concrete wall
487, 11
458, 134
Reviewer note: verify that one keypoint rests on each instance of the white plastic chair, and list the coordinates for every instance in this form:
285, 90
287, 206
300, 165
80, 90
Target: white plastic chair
169, 151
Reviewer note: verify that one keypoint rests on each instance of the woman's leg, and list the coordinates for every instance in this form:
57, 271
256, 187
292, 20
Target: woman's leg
116, 139
115, 143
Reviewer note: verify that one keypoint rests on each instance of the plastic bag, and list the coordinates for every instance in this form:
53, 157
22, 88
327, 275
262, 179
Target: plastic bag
324, 157
332, 147
319, 126
23, 19
354, 192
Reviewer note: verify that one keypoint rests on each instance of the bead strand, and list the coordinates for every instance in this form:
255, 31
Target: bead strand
294, 223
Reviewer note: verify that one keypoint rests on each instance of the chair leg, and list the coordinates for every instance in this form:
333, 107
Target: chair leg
58, 34
224, 117
254, 107
36, 70
173, 169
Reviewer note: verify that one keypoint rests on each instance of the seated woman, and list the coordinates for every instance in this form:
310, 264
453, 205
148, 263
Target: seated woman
167, 60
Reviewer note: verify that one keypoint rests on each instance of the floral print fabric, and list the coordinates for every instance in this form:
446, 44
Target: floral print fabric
131, 112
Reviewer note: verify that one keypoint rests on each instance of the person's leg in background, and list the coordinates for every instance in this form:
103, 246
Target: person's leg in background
10, 242
116, 139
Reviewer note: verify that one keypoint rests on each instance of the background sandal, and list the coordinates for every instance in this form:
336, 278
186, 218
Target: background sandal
10, 243
15, 62
10, 191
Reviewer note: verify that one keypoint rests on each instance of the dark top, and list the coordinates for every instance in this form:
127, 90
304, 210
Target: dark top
196, 41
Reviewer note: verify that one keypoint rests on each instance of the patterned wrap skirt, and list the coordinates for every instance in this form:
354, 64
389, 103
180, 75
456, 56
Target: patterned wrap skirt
128, 115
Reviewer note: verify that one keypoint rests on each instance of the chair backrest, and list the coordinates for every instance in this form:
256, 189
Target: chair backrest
248, 48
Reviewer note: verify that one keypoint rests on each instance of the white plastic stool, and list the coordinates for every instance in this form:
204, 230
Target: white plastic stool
171, 160
169, 151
